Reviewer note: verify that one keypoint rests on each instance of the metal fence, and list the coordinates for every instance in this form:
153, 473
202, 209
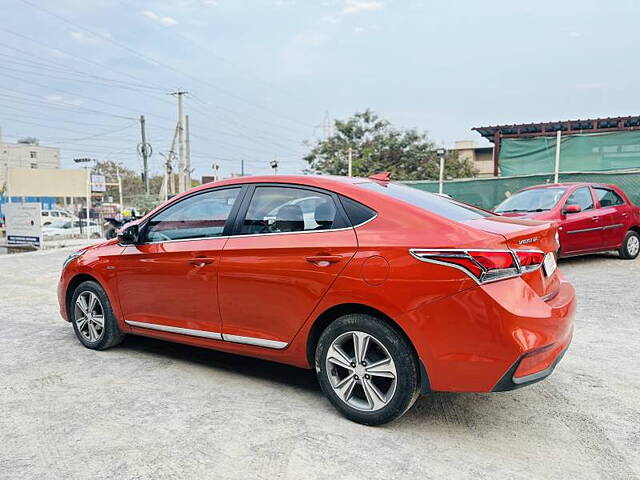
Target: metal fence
488, 192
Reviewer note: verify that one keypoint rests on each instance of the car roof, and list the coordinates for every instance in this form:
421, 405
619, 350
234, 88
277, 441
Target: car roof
567, 185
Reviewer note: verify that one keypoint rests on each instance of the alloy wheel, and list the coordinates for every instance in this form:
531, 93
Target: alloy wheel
89, 316
361, 371
633, 245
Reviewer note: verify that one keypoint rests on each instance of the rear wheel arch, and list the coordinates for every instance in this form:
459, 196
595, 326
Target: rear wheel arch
333, 313
636, 228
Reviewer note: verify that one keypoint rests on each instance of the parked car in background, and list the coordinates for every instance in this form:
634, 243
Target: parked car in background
49, 216
593, 217
71, 228
385, 290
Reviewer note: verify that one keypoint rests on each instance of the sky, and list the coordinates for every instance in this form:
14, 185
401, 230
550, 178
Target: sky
264, 75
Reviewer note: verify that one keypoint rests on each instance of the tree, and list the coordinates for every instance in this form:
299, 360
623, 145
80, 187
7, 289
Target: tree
29, 141
378, 147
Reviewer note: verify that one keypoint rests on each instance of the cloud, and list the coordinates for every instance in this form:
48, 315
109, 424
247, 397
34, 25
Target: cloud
59, 99
357, 6
575, 34
86, 38
54, 98
331, 19
303, 52
154, 17
369, 28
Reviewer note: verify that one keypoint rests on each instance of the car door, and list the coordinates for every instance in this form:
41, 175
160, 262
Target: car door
581, 231
168, 281
289, 244
615, 214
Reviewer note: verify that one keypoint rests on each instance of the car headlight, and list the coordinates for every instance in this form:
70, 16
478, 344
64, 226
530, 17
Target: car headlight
71, 257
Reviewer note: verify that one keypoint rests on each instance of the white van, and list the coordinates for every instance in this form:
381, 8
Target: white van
48, 216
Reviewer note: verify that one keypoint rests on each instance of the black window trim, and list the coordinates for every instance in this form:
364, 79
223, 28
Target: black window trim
242, 211
375, 215
226, 232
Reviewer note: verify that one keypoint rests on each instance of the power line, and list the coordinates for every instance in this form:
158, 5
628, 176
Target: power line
156, 61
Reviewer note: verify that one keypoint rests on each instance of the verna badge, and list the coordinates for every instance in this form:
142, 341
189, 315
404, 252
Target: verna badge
526, 241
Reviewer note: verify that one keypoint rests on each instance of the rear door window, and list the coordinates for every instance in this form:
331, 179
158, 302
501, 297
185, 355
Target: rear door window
607, 197
274, 209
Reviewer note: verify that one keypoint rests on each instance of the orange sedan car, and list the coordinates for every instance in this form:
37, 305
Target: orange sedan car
386, 290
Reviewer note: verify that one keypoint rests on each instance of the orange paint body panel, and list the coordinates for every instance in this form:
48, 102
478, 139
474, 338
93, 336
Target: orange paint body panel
264, 294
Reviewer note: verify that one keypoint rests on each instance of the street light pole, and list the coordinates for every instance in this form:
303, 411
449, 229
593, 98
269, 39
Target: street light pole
441, 152
87, 167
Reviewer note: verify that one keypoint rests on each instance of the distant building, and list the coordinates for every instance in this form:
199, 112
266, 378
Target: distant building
24, 155
480, 157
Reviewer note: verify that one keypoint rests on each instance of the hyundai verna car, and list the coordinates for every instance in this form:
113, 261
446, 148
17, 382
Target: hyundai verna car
385, 290
592, 217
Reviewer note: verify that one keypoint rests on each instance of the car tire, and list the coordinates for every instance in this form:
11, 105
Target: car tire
372, 389
92, 318
630, 246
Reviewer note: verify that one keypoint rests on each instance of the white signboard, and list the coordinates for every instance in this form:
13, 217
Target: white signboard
98, 183
23, 223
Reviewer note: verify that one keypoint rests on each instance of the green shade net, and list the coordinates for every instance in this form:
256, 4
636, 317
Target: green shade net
586, 152
488, 192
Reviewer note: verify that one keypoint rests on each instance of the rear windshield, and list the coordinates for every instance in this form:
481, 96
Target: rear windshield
536, 200
443, 206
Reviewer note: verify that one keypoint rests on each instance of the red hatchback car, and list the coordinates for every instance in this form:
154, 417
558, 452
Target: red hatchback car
386, 290
592, 217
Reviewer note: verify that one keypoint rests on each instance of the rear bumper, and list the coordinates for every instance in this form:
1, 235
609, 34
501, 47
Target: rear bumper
510, 381
495, 337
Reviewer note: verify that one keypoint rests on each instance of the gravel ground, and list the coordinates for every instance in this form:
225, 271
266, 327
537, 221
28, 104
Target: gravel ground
150, 409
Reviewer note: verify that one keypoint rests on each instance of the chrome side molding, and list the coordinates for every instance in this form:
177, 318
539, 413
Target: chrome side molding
170, 329
258, 342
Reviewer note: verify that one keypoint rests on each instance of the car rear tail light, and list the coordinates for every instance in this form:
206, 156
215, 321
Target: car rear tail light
530, 260
484, 265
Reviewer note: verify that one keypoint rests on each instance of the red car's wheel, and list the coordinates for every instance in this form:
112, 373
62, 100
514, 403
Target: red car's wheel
630, 246
367, 369
92, 318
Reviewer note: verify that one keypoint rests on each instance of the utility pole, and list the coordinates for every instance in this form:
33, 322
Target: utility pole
242, 168
168, 184
144, 150
182, 181
326, 126
350, 162
188, 154
274, 165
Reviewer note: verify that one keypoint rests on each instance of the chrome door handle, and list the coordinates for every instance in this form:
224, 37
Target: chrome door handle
201, 261
595, 219
324, 260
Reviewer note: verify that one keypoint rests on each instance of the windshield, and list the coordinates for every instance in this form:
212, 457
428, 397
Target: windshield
443, 206
536, 200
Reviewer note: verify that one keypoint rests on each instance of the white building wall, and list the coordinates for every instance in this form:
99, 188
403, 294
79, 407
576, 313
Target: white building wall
18, 155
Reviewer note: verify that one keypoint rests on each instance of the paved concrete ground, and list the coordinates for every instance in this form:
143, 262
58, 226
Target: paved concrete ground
149, 409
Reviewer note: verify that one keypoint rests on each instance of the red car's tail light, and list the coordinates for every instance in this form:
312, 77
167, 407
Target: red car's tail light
484, 265
530, 258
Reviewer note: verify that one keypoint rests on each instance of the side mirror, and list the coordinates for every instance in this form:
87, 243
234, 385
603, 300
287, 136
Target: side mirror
128, 235
572, 209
